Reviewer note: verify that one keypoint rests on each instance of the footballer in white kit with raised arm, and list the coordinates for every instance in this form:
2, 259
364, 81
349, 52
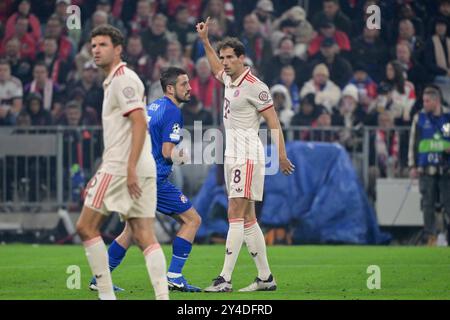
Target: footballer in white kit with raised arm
246, 100
126, 180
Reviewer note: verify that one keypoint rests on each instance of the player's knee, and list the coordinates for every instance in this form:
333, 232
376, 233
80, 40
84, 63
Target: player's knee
236, 208
84, 231
195, 221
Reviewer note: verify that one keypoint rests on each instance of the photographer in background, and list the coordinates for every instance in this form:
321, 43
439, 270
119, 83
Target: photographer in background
429, 158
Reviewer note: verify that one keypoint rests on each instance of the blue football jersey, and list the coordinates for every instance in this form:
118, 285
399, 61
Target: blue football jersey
165, 123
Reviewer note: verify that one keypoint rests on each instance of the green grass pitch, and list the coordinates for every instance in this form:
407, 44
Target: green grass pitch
302, 272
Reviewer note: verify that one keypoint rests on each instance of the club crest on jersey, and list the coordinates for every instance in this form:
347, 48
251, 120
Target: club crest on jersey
183, 198
236, 93
128, 92
264, 96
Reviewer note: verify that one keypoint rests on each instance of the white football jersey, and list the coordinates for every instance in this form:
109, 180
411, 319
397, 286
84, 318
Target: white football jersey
123, 93
245, 98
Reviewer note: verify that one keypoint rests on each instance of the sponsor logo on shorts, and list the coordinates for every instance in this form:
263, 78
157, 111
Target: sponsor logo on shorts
238, 190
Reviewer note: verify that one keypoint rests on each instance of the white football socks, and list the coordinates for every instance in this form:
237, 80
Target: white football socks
156, 267
98, 261
235, 238
256, 245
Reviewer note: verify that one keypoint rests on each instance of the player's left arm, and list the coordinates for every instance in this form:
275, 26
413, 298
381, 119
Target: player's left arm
274, 125
130, 97
171, 138
138, 134
262, 101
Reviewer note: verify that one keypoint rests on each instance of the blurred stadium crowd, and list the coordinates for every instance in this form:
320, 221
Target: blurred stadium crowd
324, 66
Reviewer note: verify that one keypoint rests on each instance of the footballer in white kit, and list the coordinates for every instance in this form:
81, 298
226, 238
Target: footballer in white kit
246, 100
126, 180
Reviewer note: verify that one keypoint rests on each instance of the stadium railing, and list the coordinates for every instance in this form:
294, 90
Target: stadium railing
44, 169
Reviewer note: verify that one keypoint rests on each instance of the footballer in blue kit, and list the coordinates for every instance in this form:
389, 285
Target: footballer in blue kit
164, 124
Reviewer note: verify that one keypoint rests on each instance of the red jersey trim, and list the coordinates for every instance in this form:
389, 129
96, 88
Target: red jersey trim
266, 108
243, 78
126, 114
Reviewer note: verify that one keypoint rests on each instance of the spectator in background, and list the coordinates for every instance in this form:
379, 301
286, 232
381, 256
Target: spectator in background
437, 52
443, 14
23, 119
306, 116
156, 38
54, 29
324, 123
216, 9
332, 12
105, 6
183, 28
206, 88
145, 11
282, 103
370, 50
33, 21
85, 55
138, 60
73, 115
382, 103
415, 72
38, 115
383, 151
49, 91
293, 23
257, 48
11, 95
284, 56
92, 92
403, 93
367, 88
407, 33
97, 19
173, 57
326, 92
264, 13
57, 67
20, 66
340, 69
193, 111
287, 78
350, 115
406, 11
194, 7
327, 30
27, 42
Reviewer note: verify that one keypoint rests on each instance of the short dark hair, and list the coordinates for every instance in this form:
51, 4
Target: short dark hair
169, 76
115, 34
5, 62
233, 43
40, 63
433, 91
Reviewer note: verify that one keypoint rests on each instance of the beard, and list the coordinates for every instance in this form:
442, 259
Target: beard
182, 99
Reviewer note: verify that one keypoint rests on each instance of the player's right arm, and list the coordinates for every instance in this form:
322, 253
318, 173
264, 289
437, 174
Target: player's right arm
211, 55
171, 137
